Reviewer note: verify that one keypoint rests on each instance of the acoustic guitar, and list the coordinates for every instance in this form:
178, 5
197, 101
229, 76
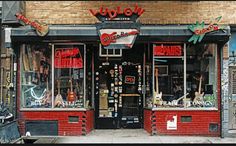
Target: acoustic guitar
58, 100
157, 97
71, 95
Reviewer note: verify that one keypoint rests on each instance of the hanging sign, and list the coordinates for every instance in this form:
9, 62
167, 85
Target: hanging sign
112, 37
200, 30
167, 50
41, 28
68, 58
125, 14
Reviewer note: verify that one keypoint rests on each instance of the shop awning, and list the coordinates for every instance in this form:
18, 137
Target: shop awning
148, 33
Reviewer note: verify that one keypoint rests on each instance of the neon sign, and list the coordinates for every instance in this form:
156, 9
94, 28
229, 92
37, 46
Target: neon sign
68, 58
200, 30
161, 50
111, 14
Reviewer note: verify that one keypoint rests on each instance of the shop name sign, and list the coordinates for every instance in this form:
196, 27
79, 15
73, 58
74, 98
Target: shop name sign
171, 50
200, 30
68, 58
112, 38
118, 13
41, 28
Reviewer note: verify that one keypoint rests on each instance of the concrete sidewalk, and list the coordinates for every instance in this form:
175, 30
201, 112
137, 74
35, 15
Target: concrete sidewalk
123, 136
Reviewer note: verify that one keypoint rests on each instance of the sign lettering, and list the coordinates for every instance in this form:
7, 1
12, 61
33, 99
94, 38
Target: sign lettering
68, 58
161, 50
130, 79
113, 13
41, 29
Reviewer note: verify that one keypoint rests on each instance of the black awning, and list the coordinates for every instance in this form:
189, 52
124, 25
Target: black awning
148, 33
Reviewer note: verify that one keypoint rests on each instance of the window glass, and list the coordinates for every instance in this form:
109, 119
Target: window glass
36, 81
69, 76
170, 87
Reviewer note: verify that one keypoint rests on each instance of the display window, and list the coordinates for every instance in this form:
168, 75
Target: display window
184, 76
53, 76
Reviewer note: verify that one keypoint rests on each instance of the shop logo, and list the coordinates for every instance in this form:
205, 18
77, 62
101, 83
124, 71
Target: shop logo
107, 39
117, 14
41, 28
200, 30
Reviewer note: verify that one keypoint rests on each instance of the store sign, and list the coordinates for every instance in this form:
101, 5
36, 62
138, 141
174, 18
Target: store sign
200, 30
68, 58
170, 50
130, 79
104, 14
171, 123
118, 36
41, 28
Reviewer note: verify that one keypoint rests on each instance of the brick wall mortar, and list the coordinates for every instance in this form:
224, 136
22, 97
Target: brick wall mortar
156, 12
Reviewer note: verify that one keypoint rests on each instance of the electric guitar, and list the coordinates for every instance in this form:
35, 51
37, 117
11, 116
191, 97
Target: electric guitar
175, 102
198, 95
71, 94
48, 95
43, 29
58, 100
157, 99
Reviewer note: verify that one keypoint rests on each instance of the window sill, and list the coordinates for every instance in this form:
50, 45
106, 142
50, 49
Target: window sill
184, 109
55, 109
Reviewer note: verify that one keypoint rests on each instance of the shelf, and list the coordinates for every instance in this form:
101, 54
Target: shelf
129, 95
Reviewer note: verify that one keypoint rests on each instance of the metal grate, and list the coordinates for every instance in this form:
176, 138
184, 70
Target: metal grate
234, 82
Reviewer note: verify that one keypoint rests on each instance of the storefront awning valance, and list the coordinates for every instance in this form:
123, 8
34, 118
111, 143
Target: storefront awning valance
148, 33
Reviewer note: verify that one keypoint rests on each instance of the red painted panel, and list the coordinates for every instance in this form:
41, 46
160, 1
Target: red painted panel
65, 128
198, 126
147, 120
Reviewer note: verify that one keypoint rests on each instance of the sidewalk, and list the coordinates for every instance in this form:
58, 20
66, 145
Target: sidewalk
131, 136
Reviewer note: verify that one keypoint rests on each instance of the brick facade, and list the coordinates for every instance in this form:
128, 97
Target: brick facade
156, 12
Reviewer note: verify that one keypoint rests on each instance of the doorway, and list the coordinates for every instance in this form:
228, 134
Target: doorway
118, 90
232, 98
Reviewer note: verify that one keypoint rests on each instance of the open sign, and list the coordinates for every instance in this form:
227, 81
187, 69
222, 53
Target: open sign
130, 79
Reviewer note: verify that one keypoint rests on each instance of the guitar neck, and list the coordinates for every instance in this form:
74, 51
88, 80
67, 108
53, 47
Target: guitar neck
200, 84
156, 74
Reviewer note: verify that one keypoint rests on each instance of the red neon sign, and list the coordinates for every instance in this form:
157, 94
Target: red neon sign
175, 50
107, 39
113, 13
67, 58
130, 79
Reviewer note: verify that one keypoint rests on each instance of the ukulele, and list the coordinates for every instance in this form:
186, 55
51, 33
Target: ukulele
71, 94
157, 97
58, 100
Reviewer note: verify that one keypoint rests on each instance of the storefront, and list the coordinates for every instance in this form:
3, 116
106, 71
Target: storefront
74, 79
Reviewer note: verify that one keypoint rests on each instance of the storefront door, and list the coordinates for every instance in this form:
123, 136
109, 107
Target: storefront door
118, 93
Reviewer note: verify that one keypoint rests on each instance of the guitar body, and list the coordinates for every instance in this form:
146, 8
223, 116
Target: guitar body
71, 96
44, 29
59, 101
198, 97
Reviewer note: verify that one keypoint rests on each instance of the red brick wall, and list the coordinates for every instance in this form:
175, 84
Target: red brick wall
64, 127
147, 121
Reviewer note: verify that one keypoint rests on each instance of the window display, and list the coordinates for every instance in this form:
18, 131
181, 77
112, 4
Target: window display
185, 77
65, 62
36, 76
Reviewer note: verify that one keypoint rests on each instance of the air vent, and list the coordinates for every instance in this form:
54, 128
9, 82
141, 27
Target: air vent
186, 118
213, 127
73, 119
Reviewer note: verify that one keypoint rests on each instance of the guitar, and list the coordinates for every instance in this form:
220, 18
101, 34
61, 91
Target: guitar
157, 97
58, 100
43, 28
198, 95
71, 94
175, 102
48, 95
